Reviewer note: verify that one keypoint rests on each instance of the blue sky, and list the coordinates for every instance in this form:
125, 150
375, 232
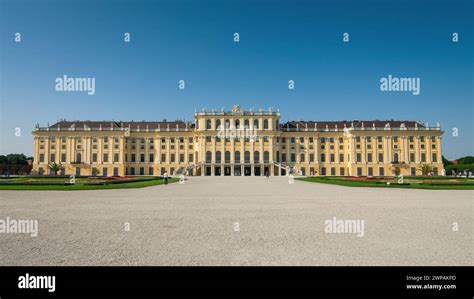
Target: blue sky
279, 41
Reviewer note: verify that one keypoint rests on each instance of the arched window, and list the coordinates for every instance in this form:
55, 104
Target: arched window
278, 156
227, 124
237, 124
208, 157
246, 124
237, 157
266, 157
227, 157
256, 156
247, 157
265, 124
277, 123
255, 124
218, 157
218, 124
208, 124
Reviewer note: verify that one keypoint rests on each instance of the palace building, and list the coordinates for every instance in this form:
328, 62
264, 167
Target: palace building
238, 143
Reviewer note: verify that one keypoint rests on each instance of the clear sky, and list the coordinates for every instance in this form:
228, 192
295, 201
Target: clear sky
279, 41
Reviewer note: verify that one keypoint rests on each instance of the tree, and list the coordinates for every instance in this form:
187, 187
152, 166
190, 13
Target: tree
55, 167
426, 169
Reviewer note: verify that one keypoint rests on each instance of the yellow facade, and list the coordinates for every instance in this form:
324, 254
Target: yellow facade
237, 142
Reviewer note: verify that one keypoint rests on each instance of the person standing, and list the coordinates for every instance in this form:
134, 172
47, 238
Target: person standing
165, 178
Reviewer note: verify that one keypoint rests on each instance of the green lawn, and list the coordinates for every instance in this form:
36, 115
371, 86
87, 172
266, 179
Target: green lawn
435, 183
82, 183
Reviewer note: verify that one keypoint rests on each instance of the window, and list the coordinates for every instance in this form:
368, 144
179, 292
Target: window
381, 171
283, 157
293, 157
413, 171
63, 157
370, 171
423, 157
256, 156
106, 158
227, 157
134, 158
301, 139
358, 139
152, 158
208, 124
181, 158
116, 158
150, 170
218, 126
341, 157
227, 124
395, 157
302, 158
311, 158
380, 157
323, 170
53, 157
266, 157
142, 171
173, 158
359, 157
142, 158
412, 157
333, 170
341, 171
190, 158
163, 158
369, 139
332, 158
359, 171
208, 157
237, 124
434, 158
369, 157
218, 157
247, 156
265, 124
323, 158
78, 158
323, 140
237, 157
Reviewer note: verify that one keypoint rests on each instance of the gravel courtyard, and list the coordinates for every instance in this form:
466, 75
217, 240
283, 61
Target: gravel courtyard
239, 221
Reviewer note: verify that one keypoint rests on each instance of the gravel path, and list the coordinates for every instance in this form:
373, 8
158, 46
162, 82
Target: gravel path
278, 224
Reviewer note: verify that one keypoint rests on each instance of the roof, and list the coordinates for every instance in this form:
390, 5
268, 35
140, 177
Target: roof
355, 123
120, 124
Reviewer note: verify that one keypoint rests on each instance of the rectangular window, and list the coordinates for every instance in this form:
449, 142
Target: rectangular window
293, 158
381, 171
380, 157
163, 158
369, 157
142, 158
359, 171
106, 158
150, 171
134, 158
283, 157
41, 158
423, 157
190, 158
323, 158
341, 171
116, 157
370, 171
333, 170
412, 157
413, 171
311, 158
323, 170
302, 158
132, 171
434, 158
53, 157
332, 158
181, 158
142, 170
152, 158
341, 158
359, 157
63, 157
173, 157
